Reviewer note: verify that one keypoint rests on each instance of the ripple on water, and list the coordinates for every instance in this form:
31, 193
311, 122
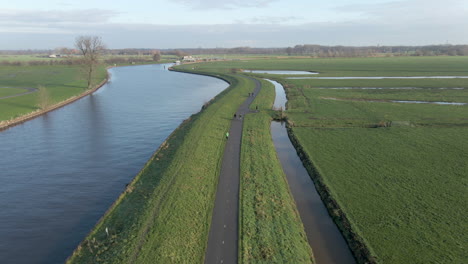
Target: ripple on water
61, 171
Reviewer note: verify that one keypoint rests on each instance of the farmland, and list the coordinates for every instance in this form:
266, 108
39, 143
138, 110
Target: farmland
392, 66
398, 171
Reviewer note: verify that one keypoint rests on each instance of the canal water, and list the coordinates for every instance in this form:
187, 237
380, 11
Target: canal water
280, 95
282, 72
60, 172
325, 239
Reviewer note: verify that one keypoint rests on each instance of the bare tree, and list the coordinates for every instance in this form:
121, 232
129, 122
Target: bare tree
90, 47
156, 55
43, 98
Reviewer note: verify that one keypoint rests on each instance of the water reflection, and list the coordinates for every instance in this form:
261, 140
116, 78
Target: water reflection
328, 245
61, 171
282, 72
379, 77
280, 95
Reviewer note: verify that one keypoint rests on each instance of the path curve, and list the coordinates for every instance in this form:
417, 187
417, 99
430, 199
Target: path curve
223, 241
29, 90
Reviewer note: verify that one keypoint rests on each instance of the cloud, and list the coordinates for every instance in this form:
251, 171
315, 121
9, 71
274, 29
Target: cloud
269, 20
34, 17
411, 12
232, 35
224, 4
413, 22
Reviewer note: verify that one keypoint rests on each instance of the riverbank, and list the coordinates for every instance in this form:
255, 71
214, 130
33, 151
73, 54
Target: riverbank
174, 191
45, 78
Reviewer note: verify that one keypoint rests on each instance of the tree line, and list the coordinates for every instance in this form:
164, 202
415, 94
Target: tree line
298, 50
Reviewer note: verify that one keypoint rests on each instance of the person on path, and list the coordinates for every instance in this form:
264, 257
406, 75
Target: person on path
235, 116
227, 135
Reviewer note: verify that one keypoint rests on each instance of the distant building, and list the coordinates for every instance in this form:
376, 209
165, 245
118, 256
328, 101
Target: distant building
189, 59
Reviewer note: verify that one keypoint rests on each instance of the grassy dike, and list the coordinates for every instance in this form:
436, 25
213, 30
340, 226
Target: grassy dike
271, 230
164, 214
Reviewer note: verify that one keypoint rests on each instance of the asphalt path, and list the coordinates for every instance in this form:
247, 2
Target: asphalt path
29, 90
223, 241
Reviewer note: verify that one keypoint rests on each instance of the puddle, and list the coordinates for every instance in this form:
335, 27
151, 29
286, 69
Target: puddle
380, 77
426, 102
393, 101
281, 72
386, 88
326, 241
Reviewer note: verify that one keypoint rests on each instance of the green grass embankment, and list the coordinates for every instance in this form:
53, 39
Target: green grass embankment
165, 213
271, 230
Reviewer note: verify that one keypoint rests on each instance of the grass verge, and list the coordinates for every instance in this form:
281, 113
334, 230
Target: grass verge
271, 230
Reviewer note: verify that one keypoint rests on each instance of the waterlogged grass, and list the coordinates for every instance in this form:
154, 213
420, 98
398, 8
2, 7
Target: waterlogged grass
391, 66
313, 104
61, 82
271, 230
164, 216
445, 90
404, 189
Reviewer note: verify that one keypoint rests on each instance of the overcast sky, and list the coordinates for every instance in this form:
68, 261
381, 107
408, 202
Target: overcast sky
47, 24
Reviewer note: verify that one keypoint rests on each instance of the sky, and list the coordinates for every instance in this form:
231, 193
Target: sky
162, 24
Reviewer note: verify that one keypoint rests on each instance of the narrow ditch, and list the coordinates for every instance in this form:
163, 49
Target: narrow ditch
325, 239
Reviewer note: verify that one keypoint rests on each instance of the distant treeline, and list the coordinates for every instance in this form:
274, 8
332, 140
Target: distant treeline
344, 51
298, 50
68, 61
314, 51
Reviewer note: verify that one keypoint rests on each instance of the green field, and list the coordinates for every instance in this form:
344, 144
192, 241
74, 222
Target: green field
392, 66
61, 82
271, 230
24, 58
403, 187
6, 91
